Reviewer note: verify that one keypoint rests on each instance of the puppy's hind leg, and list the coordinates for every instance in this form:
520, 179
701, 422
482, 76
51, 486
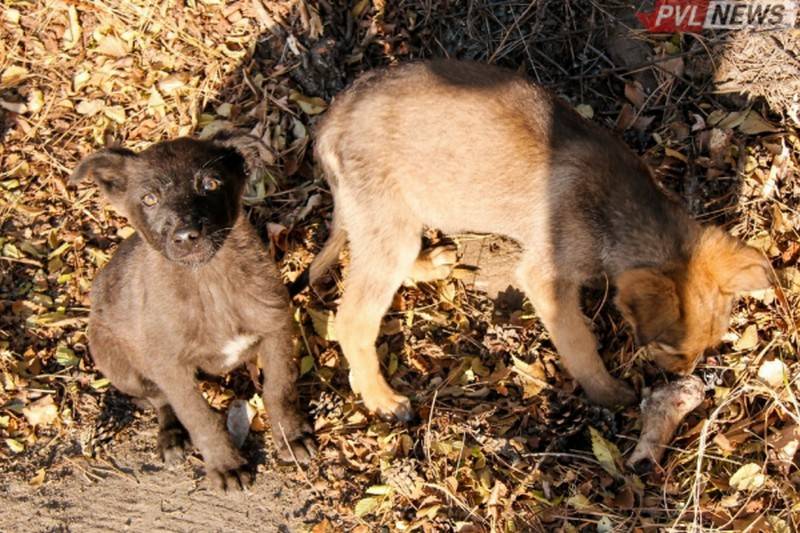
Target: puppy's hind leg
173, 439
379, 262
110, 356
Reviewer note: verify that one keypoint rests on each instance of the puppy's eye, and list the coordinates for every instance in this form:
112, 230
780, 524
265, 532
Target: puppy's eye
211, 184
150, 199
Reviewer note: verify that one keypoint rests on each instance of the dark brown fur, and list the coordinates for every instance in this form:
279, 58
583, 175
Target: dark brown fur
162, 308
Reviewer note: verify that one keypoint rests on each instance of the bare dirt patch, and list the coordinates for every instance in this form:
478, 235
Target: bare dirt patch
125, 486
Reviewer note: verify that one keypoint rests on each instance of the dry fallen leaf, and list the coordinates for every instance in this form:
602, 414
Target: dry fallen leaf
718, 143
748, 340
42, 412
115, 113
579, 502
748, 478
38, 479
635, 94
585, 110
311, 105
606, 453
12, 15
604, 525
112, 46
724, 444
323, 321
174, 82
669, 152
155, 101
626, 118
90, 107
778, 525
15, 107
306, 364
732, 120
790, 279
365, 506
786, 443
35, 100
674, 66
753, 123
13, 75
715, 117
533, 377
214, 127
125, 231
15, 445
774, 373
80, 79
323, 527
72, 34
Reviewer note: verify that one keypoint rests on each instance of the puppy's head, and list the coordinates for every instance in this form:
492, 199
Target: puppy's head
183, 196
681, 312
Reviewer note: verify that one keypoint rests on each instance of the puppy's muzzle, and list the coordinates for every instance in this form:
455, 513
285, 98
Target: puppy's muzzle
187, 244
186, 237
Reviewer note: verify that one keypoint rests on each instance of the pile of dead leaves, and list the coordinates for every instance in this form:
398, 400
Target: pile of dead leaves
502, 440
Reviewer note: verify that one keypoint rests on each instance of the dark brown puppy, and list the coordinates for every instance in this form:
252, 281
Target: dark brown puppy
193, 289
467, 147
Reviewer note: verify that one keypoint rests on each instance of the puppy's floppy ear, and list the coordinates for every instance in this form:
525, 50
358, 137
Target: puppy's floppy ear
257, 156
648, 299
107, 169
747, 270
735, 266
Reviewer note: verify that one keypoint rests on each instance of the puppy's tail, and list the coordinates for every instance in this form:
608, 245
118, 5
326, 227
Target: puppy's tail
324, 259
329, 253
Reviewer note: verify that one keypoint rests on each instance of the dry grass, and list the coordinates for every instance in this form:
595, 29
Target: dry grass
502, 443
765, 65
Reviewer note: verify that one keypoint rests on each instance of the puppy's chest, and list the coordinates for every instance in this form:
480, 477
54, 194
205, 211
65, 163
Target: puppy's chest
229, 331
221, 348
238, 349
234, 315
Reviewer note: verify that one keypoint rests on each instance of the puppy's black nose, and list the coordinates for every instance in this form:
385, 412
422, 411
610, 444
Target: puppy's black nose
185, 235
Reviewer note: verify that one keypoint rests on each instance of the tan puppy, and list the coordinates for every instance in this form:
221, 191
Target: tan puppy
469, 147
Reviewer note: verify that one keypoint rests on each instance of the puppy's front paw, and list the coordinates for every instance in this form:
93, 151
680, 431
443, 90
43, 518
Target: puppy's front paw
226, 471
381, 399
611, 393
294, 439
172, 443
391, 406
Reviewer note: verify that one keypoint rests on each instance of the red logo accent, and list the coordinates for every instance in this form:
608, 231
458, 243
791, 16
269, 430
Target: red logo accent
669, 16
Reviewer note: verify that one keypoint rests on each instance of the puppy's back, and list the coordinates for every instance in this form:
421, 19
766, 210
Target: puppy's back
465, 146
438, 113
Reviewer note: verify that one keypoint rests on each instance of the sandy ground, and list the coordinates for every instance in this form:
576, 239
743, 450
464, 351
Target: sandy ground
494, 260
130, 489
